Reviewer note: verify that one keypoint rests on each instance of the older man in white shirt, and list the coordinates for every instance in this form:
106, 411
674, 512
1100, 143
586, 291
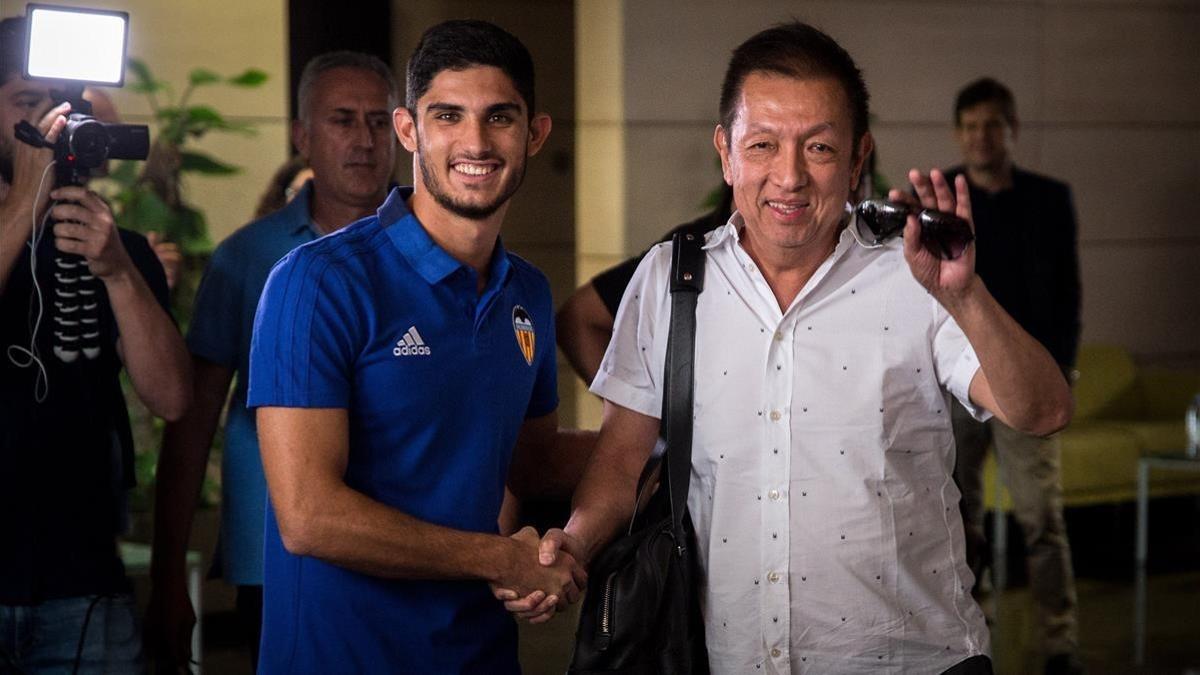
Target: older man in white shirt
828, 531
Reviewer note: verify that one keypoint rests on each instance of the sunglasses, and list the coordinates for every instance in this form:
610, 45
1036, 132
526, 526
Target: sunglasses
945, 235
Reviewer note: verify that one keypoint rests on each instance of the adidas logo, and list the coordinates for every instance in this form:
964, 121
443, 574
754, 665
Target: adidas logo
411, 344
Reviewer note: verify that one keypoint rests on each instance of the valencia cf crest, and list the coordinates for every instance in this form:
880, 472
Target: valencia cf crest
523, 327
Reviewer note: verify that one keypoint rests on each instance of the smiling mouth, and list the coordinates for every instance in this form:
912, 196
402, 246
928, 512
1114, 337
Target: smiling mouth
474, 169
786, 208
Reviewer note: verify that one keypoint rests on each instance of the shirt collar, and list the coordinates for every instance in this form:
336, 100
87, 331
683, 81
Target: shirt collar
298, 211
431, 261
728, 231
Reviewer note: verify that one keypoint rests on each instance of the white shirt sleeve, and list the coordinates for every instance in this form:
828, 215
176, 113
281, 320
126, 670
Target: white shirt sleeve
631, 373
955, 360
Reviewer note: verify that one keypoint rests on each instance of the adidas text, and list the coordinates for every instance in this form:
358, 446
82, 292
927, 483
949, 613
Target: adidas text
405, 350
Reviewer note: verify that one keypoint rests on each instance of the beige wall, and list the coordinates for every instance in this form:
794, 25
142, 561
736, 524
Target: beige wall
227, 37
1107, 91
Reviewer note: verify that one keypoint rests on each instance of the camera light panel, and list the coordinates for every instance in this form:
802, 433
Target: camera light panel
77, 44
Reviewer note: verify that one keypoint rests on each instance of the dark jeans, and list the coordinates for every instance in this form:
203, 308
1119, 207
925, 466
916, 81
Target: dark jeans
48, 637
249, 613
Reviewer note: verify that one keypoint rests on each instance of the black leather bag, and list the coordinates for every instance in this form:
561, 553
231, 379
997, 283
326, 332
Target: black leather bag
641, 613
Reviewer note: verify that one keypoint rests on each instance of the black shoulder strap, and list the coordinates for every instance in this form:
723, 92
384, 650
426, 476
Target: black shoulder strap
687, 281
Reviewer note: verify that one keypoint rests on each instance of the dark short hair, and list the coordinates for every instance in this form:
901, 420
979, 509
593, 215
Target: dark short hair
12, 48
461, 44
986, 90
342, 59
795, 49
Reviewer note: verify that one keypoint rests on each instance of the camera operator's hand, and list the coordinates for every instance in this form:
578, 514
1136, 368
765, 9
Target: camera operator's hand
149, 345
29, 163
169, 255
90, 231
17, 208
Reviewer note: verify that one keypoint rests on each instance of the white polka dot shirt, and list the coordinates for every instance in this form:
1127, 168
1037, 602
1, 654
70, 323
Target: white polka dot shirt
826, 516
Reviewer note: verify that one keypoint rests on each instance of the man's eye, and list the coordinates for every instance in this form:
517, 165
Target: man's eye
446, 116
761, 145
500, 119
820, 147
343, 121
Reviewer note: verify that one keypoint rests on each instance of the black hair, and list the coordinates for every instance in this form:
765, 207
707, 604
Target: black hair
795, 49
12, 48
461, 44
986, 90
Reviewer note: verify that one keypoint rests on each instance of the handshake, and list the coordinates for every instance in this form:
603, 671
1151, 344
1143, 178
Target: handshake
542, 575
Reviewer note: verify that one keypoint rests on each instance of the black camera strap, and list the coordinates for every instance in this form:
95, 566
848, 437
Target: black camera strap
687, 281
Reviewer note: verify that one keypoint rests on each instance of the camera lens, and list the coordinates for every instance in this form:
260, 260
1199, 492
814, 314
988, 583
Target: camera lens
87, 140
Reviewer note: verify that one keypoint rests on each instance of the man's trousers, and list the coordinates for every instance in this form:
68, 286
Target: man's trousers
1029, 467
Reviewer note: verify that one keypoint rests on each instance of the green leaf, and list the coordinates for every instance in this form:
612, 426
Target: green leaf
205, 116
143, 80
201, 119
201, 163
146, 211
171, 125
252, 77
201, 76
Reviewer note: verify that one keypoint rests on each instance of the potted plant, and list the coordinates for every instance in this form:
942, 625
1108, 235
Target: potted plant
148, 197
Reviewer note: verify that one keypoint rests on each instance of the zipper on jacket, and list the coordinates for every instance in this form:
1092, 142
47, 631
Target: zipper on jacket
606, 613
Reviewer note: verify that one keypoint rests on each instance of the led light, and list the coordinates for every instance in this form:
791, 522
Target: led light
77, 44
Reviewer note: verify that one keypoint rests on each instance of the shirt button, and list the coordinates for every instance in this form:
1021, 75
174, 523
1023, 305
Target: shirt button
774, 495
775, 415
773, 577
778, 336
775, 653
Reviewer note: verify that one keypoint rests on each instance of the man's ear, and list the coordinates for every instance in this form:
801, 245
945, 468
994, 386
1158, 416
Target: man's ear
721, 143
300, 138
539, 130
866, 145
406, 128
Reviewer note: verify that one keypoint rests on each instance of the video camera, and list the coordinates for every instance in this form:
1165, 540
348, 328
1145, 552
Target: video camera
71, 48
53, 51
86, 143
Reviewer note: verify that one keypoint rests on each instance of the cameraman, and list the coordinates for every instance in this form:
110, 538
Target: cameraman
66, 452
